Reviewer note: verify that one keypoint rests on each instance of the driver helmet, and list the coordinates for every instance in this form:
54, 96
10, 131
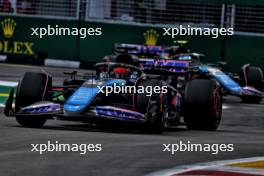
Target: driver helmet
120, 72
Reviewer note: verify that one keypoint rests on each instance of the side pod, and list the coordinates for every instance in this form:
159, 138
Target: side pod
8, 111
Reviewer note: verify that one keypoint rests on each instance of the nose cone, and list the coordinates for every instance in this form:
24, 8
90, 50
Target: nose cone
81, 99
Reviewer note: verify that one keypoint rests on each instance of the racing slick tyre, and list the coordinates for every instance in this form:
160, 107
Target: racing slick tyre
252, 76
32, 87
154, 107
202, 108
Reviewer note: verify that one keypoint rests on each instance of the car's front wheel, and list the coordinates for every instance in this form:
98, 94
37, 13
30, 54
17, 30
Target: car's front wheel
32, 87
154, 107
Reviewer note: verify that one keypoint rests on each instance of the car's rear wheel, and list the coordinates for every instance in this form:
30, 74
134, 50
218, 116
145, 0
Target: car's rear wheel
33, 87
252, 76
202, 105
154, 107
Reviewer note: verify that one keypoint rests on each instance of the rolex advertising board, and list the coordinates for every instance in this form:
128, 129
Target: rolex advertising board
17, 41
9, 45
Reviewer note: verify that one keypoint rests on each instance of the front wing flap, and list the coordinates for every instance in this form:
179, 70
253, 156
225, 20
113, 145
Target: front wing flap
118, 113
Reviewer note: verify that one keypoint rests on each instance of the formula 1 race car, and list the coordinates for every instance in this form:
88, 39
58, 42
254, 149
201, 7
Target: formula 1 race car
249, 84
147, 51
153, 103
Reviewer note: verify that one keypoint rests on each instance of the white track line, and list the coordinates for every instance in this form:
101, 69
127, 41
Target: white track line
8, 83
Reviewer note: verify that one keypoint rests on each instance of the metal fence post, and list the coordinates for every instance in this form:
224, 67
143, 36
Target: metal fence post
233, 14
78, 9
223, 16
87, 10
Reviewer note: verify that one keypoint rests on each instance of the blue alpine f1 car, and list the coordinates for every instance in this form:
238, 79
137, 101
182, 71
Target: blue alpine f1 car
117, 92
249, 85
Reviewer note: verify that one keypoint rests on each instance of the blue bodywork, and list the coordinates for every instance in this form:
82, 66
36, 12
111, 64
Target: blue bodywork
222, 78
84, 96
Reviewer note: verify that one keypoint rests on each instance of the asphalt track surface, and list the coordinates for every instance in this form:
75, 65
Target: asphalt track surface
126, 152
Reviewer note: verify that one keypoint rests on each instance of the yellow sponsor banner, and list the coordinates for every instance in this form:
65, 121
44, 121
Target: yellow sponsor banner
4, 94
13, 46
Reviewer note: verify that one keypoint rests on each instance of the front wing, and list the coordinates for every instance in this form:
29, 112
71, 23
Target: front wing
45, 108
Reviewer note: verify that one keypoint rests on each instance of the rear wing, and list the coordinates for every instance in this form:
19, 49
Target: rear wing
167, 67
124, 48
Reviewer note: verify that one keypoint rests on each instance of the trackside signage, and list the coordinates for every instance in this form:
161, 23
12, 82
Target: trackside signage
8, 45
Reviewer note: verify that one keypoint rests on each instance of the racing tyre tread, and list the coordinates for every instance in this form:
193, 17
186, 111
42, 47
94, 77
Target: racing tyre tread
150, 105
31, 89
202, 109
254, 77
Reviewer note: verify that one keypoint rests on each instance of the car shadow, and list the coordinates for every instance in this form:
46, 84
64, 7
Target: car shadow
113, 128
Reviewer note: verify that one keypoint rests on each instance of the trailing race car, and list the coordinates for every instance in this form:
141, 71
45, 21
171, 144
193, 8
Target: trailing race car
249, 85
131, 51
87, 100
